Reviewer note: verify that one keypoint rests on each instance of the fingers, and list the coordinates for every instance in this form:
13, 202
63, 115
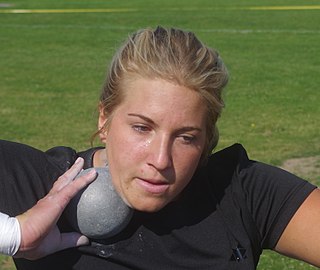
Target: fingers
65, 184
72, 239
69, 175
69, 191
39, 234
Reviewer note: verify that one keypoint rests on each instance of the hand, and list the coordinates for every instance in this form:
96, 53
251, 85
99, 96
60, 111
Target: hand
40, 236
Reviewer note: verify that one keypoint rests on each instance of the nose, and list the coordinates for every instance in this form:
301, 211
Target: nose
160, 153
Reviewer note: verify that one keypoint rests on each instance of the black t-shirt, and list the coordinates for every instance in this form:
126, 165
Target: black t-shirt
232, 209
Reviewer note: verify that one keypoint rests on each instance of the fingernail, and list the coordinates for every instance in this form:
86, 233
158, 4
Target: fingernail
78, 160
83, 240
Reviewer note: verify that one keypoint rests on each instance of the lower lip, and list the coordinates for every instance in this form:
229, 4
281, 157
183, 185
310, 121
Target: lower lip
152, 188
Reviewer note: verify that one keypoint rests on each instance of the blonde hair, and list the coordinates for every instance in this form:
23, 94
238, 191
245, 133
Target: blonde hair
173, 55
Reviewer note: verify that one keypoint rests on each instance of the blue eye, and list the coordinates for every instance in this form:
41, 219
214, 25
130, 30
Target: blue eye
140, 128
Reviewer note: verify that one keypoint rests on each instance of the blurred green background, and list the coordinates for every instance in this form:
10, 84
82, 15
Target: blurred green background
54, 56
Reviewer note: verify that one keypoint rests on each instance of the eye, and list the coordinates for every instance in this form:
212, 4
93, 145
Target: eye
187, 139
140, 128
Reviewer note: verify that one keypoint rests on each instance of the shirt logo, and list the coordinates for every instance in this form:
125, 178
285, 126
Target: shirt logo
238, 254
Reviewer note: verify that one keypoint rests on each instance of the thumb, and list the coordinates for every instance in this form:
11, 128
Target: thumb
73, 239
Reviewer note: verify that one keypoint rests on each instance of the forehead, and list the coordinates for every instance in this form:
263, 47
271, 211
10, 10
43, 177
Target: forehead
162, 100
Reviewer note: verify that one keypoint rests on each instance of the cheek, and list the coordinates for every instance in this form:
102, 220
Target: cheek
186, 166
124, 152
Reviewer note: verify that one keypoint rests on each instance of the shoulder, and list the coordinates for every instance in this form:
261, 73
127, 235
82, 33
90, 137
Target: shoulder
14, 155
61, 156
13, 148
64, 156
17, 159
18, 156
229, 160
26, 175
223, 166
234, 164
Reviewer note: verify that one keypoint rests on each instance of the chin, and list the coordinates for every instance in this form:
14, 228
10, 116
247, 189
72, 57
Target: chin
149, 207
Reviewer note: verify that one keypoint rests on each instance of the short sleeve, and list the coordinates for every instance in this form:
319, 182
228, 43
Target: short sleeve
272, 196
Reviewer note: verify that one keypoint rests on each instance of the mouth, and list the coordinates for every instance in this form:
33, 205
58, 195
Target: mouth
152, 186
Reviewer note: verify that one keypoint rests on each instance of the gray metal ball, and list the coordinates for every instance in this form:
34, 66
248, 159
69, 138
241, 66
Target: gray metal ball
98, 211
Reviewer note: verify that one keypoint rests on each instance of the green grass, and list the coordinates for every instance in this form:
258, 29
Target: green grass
52, 67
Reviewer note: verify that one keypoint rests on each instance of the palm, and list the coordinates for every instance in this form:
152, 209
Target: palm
40, 235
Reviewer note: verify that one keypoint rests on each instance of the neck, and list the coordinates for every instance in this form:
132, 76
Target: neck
100, 158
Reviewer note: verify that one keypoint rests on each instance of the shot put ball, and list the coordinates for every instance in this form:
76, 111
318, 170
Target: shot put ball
98, 211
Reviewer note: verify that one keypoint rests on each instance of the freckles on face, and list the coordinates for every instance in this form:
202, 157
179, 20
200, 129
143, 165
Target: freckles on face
154, 142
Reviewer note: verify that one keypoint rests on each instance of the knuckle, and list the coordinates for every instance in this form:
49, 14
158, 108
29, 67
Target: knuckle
63, 178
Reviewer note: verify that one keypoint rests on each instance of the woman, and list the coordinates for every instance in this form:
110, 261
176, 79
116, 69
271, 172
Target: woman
158, 112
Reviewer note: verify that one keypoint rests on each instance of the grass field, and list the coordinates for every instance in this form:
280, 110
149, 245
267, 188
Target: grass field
53, 57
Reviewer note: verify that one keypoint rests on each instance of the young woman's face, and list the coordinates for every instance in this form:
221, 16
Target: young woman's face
154, 142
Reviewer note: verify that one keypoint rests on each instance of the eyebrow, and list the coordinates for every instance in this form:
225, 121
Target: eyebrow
147, 119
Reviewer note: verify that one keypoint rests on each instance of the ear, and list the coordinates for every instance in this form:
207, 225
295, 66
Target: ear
101, 125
